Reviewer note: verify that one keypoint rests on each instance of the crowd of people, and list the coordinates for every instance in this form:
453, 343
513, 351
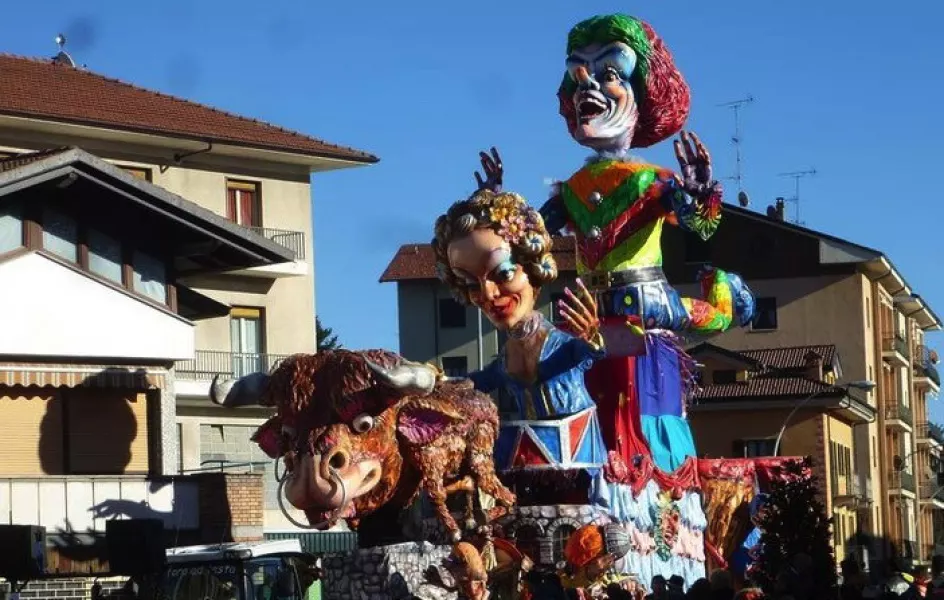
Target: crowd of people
795, 584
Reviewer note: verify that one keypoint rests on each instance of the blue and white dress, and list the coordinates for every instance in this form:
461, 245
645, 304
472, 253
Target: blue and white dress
556, 426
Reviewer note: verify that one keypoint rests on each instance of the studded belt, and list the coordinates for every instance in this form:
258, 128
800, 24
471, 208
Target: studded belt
602, 280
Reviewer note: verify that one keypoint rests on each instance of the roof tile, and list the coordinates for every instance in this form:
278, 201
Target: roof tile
42, 89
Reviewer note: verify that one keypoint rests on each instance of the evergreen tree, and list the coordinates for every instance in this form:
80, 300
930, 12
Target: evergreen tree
796, 550
325, 336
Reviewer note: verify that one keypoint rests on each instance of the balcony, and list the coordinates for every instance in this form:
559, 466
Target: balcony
898, 415
294, 241
194, 376
926, 375
899, 481
849, 491
895, 349
930, 491
83, 504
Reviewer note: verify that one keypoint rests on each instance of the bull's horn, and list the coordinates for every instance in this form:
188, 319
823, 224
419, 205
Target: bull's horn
410, 379
245, 391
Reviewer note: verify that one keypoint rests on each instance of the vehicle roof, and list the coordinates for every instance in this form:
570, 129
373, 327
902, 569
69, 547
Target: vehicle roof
220, 551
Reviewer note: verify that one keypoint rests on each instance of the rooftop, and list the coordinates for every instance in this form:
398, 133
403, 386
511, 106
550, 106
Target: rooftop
42, 89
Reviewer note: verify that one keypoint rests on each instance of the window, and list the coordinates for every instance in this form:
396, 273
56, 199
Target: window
60, 234
724, 376
765, 317
242, 203
455, 366
561, 535
528, 542
150, 278
247, 336
556, 316
697, 250
11, 227
104, 255
123, 450
868, 313
754, 448
451, 314
138, 172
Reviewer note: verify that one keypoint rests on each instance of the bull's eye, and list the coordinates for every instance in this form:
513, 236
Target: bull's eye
362, 423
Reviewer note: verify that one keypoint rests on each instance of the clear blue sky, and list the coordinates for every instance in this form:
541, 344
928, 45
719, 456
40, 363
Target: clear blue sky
849, 87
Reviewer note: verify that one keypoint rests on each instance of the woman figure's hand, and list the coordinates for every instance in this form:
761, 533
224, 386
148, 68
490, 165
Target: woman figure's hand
580, 312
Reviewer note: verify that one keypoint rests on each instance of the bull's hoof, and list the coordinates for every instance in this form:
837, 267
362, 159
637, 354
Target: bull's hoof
456, 537
470, 523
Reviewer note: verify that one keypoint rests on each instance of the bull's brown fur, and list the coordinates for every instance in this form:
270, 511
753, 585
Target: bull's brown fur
317, 396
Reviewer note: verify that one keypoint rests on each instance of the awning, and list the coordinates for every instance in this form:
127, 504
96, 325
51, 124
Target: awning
72, 375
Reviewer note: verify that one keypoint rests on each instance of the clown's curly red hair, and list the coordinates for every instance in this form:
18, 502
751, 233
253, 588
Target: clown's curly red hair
662, 95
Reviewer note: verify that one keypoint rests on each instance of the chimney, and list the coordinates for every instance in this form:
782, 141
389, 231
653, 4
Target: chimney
779, 205
813, 366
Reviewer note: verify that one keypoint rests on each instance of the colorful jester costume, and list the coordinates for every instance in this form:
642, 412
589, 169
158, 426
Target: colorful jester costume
622, 90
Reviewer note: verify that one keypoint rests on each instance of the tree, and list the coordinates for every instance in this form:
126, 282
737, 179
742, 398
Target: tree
795, 545
325, 336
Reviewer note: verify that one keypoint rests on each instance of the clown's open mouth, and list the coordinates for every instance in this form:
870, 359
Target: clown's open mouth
589, 107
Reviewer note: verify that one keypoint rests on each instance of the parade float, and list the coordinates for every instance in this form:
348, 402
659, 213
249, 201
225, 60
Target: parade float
599, 460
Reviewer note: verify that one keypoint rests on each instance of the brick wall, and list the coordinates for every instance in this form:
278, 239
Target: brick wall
79, 588
231, 506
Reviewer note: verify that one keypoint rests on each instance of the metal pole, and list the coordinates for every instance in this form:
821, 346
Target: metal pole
480, 342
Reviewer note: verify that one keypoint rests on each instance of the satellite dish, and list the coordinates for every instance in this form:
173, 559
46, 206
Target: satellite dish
743, 199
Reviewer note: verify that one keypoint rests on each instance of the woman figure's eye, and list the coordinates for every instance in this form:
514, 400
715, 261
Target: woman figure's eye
610, 76
362, 423
505, 272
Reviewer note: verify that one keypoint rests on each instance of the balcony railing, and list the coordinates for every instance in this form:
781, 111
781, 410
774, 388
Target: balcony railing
895, 342
84, 503
930, 490
898, 411
208, 363
923, 366
901, 480
293, 240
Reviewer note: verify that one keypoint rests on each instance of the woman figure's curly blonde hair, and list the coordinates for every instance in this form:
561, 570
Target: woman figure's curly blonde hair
508, 215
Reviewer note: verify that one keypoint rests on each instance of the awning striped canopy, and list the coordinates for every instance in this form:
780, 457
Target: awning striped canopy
82, 375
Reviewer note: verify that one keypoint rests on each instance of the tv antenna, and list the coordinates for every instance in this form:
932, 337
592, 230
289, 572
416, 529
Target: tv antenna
63, 57
736, 106
797, 176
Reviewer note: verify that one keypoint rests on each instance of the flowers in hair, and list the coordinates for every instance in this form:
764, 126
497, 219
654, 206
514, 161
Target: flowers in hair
512, 228
534, 243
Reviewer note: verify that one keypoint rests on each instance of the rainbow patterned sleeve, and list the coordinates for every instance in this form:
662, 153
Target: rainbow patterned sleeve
700, 216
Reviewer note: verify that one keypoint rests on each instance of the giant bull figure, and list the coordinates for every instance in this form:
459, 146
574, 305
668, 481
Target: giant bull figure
359, 430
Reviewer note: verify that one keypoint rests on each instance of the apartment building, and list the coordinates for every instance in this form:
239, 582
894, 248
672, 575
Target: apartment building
813, 289
745, 407
147, 243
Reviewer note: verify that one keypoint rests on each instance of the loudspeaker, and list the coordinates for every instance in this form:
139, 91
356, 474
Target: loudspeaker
135, 546
24, 551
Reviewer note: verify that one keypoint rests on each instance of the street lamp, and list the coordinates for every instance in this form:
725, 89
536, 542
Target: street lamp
864, 385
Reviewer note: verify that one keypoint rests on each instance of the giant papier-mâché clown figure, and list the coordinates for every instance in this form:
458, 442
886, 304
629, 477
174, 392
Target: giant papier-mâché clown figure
621, 90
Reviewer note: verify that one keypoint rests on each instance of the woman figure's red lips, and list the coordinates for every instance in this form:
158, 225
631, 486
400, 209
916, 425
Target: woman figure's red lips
505, 309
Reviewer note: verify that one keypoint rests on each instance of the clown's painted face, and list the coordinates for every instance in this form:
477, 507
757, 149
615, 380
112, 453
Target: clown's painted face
605, 105
482, 261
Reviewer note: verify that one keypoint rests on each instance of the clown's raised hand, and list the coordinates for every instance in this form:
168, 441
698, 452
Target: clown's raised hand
695, 165
492, 167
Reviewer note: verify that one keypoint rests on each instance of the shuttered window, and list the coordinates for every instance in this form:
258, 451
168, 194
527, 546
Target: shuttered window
31, 430
106, 432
